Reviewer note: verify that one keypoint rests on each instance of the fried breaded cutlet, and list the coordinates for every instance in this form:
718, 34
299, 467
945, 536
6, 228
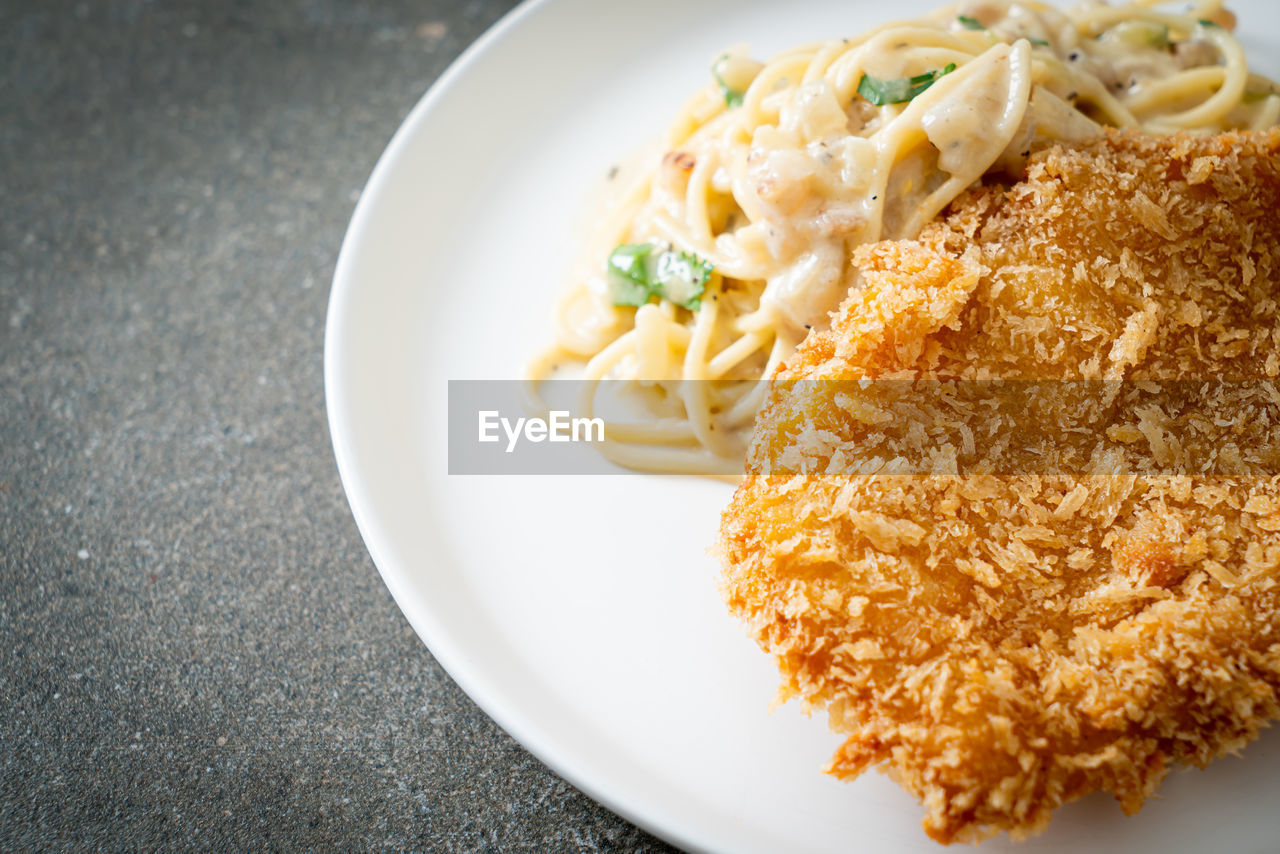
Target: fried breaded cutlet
1001, 643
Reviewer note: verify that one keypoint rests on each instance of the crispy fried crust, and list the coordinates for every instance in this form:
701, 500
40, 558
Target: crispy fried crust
1001, 645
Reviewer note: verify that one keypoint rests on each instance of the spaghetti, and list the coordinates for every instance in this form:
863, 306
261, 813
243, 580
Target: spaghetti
731, 241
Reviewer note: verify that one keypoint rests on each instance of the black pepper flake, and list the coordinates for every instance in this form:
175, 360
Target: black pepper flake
873, 198
1071, 96
807, 326
1026, 153
1073, 56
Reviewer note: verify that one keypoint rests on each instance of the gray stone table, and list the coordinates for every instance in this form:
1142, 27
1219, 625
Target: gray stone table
197, 650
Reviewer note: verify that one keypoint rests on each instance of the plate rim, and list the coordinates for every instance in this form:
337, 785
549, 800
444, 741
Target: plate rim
667, 828
645, 812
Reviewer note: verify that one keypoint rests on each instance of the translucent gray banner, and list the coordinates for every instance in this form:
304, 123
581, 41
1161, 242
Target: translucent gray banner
499, 427
901, 427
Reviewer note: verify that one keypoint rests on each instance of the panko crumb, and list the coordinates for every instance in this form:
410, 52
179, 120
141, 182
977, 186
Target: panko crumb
1001, 644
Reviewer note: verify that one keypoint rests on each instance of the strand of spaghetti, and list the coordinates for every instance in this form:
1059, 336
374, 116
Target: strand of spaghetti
844, 75
694, 114
731, 356
1227, 96
1202, 9
964, 42
899, 137
744, 411
693, 390
677, 232
603, 362
746, 197
668, 460
696, 198
765, 317
1163, 93
573, 337
764, 83
822, 61
998, 136
657, 431
1098, 18
845, 72
1089, 89
1268, 114
653, 342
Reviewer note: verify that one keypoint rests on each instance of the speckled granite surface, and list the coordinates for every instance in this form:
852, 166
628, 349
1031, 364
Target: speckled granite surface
197, 650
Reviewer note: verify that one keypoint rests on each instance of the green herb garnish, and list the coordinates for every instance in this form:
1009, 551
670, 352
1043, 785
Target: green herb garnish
629, 274
640, 271
732, 97
901, 89
682, 277
1207, 24
1040, 42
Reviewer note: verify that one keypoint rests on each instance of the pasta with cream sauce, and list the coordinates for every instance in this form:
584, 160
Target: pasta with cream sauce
723, 247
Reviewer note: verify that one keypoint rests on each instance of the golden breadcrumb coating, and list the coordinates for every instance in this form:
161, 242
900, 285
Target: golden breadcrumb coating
1003, 643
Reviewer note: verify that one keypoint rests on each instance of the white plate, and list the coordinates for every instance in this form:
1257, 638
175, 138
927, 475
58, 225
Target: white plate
584, 620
